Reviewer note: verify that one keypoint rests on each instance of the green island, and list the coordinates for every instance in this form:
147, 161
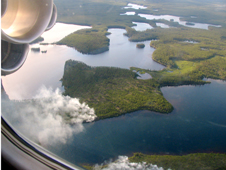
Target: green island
140, 45
87, 41
35, 49
112, 91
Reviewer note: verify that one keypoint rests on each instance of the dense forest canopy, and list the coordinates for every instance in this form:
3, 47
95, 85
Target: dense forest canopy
112, 91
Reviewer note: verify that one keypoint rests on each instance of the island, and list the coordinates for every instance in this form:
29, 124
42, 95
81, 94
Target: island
140, 45
45, 51
88, 41
35, 49
45, 43
112, 91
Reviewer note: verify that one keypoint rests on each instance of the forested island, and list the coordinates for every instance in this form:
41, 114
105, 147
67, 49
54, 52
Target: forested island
141, 45
90, 41
112, 91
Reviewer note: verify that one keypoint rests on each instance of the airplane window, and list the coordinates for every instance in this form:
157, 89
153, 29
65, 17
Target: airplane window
117, 84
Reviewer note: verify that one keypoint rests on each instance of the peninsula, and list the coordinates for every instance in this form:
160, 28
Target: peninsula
112, 91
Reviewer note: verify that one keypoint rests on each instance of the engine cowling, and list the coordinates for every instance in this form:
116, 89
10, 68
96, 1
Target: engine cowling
53, 18
13, 56
23, 21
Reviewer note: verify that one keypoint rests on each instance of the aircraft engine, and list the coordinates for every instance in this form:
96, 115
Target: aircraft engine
23, 21
13, 56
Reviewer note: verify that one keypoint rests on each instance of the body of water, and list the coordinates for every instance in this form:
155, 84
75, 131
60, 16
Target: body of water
129, 13
197, 124
134, 6
47, 68
162, 25
141, 26
177, 19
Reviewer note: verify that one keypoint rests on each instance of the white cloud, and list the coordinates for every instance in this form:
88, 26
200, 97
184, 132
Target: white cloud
49, 118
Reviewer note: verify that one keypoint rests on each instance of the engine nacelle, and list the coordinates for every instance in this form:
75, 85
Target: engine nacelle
23, 21
13, 56
53, 18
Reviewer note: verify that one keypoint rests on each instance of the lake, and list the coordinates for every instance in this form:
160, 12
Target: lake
197, 124
47, 68
144, 26
176, 19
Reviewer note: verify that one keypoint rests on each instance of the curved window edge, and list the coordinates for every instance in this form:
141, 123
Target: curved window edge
24, 154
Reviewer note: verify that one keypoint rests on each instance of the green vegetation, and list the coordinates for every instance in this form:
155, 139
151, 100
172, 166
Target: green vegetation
197, 161
187, 61
140, 45
214, 68
87, 41
177, 77
112, 91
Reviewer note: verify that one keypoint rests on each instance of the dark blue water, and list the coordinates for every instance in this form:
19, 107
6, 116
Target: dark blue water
197, 124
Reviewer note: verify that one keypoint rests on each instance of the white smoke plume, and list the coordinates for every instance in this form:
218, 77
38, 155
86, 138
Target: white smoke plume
48, 118
123, 163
